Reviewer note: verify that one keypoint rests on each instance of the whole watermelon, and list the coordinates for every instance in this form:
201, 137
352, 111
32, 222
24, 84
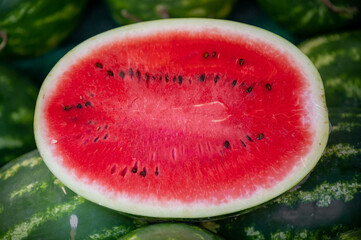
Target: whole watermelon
17, 102
32, 27
309, 17
125, 12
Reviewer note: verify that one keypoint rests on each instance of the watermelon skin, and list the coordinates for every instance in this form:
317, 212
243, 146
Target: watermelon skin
17, 102
126, 12
337, 58
167, 231
309, 17
36, 205
326, 205
36, 26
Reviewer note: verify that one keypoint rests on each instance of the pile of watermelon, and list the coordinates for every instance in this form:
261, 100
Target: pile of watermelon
191, 120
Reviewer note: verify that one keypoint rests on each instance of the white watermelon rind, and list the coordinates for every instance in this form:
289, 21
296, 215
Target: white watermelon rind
176, 209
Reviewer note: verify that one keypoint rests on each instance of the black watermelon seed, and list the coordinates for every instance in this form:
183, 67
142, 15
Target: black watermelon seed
88, 104
248, 90
156, 171
99, 65
216, 79
137, 74
214, 54
131, 72
113, 169
268, 87
226, 144
106, 136
243, 144
260, 136
106, 126
143, 173
167, 78
96, 139
123, 172
134, 170
234, 83
110, 73
249, 138
202, 77
241, 61
78, 106
67, 108
174, 78
121, 74
205, 55
180, 79
147, 76
153, 77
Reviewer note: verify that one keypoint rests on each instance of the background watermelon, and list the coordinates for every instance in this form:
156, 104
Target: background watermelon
326, 205
17, 102
310, 17
125, 11
338, 59
35, 205
170, 231
33, 27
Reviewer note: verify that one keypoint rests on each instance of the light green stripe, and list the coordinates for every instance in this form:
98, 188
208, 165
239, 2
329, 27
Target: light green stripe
31, 188
325, 193
325, 59
66, 13
341, 150
22, 115
1, 209
113, 232
10, 142
346, 126
23, 229
254, 234
14, 169
348, 115
308, 46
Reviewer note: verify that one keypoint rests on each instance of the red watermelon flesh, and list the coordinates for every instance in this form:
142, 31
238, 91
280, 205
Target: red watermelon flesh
182, 118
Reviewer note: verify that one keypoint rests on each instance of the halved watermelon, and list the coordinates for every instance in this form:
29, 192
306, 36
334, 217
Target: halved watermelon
186, 118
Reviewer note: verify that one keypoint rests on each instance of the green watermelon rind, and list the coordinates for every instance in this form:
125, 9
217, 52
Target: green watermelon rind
175, 209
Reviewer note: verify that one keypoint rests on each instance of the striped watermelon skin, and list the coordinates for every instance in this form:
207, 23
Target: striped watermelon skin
126, 12
17, 102
36, 205
170, 231
307, 17
338, 59
327, 204
33, 27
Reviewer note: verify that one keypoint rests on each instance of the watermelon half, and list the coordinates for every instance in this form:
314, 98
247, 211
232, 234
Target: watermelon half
186, 118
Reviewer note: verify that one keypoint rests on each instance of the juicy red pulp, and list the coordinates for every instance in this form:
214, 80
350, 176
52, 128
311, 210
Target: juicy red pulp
181, 116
